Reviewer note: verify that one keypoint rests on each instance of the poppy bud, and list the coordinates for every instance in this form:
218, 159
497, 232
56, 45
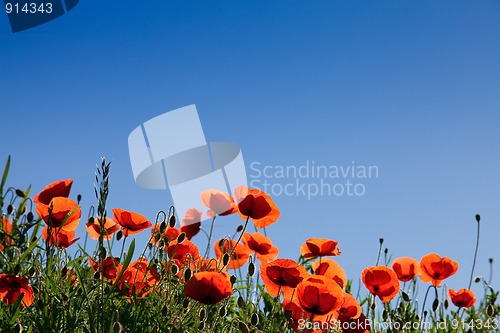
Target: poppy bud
386, 250
478, 218
446, 304
78, 198
477, 279
174, 269
17, 269
20, 193
222, 312
119, 235
30, 217
240, 228
10, 209
435, 304
64, 271
181, 237
381, 241
232, 279
241, 302
225, 259
405, 296
490, 310
171, 221
163, 227
491, 260
254, 320
187, 274
243, 327
251, 269
203, 314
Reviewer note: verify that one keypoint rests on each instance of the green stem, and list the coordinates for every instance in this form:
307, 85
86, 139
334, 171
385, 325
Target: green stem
475, 252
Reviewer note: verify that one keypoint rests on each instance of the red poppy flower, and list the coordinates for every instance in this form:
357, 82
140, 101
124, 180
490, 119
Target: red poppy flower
261, 245
281, 275
256, 205
406, 268
464, 298
208, 287
60, 188
59, 237
131, 222
65, 213
110, 267
435, 269
319, 247
218, 202
320, 297
11, 287
350, 309
5, 239
191, 223
330, 269
239, 253
94, 228
183, 251
381, 281
138, 279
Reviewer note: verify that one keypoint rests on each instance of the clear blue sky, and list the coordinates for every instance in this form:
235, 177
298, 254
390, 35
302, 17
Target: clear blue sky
411, 87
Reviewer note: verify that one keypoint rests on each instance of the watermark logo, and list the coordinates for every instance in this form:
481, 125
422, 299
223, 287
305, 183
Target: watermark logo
310, 179
28, 14
171, 151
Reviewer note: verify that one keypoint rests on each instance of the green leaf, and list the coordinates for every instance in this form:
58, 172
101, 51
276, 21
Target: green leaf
4, 177
126, 262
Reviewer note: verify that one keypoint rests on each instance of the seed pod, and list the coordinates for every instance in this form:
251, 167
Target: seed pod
187, 274
241, 302
254, 320
181, 237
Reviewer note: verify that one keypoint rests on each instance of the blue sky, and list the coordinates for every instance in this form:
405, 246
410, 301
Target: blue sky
411, 87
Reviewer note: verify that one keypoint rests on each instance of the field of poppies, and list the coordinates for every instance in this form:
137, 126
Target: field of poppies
172, 285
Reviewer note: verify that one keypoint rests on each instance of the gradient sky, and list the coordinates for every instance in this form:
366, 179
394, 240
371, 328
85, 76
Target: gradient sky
411, 87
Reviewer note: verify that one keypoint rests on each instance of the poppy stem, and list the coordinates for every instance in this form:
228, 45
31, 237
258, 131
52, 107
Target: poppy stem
478, 219
241, 235
381, 241
207, 251
425, 299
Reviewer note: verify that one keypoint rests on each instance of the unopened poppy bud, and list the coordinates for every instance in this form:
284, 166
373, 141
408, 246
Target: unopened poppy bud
478, 279
17, 268
241, 302
381, 240
232, 279
435, 304
478, 218
78, 198
203, 314
243, 327
171, 221
20, 193
30, 217
386, 250
187, 274
10, 209
222, 312
251, 269
446, 304
425, 313
163, 227
491, 260
225, 259
64, 271
174, 269
119, 235
254, 320
240, 228
181, 237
